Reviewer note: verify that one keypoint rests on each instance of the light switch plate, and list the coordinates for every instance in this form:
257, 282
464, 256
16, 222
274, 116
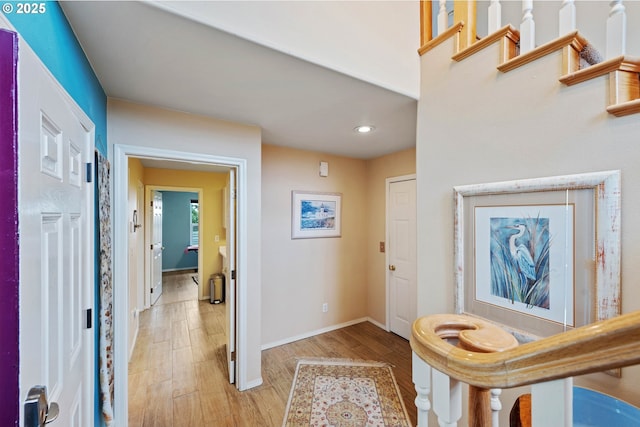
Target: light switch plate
324, 169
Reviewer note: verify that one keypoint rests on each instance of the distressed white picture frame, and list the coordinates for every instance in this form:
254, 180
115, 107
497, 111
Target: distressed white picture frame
606, 227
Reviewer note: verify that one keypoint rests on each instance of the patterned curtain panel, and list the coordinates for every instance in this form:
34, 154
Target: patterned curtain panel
106, 290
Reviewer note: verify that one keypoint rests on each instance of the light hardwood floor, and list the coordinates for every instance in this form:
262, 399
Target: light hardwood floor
178, 371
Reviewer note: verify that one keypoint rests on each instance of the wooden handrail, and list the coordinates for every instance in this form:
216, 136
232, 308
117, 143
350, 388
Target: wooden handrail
600, 346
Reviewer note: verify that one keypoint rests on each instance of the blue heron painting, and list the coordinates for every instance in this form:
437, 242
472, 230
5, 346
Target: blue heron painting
519, 253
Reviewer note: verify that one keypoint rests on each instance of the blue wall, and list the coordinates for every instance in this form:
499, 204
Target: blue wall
51, 37
176, 230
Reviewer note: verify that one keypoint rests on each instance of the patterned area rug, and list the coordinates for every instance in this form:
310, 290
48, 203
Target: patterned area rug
344, 393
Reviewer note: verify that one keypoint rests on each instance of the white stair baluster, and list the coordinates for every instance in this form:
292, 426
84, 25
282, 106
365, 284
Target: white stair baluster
551, 402
567, 17
495, 16
527, 28
496, 406
447, 399
421, 373
443, 17
616, 30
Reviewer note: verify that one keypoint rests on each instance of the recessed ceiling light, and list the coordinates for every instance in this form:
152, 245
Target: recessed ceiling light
364, 129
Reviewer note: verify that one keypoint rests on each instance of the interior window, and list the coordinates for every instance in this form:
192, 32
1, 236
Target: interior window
195, 221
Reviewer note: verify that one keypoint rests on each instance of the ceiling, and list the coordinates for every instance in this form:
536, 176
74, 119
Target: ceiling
145, 54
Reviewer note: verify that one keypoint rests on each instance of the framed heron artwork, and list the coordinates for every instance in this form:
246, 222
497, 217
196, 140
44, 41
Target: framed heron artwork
524, 259
539, 256
315, 214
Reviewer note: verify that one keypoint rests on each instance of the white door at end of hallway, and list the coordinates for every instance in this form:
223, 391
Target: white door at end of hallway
402, 267
156, 246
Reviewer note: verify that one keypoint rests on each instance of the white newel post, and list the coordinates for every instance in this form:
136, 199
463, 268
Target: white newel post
496, 406
552, 401
616, 30
567, 17
421, 373
527, 28
447, 399
495, 16
443, 17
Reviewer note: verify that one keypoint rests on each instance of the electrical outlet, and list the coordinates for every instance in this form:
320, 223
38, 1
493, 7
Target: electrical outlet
325, 307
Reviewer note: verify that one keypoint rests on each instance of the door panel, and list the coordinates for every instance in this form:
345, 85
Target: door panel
156, 247
56, 245
402, 257
230, 282
50, 291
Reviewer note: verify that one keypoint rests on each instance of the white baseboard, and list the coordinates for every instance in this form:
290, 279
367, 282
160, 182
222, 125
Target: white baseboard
251, 384
317, 332
378, 324
170, 270
135, 336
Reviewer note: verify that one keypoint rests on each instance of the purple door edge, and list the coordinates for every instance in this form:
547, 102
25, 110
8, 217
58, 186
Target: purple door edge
9, 250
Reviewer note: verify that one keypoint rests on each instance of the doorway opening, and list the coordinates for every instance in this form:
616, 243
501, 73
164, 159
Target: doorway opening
171, 235
238, 170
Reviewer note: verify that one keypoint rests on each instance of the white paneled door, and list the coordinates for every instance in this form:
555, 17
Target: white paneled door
402, 268
56, 245
156, 246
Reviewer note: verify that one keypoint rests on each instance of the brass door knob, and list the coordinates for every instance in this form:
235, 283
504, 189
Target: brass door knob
392, 267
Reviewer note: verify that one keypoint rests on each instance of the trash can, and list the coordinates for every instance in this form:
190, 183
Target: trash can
216, 288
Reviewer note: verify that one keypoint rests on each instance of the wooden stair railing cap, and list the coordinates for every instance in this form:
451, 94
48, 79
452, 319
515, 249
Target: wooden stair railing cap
596, 347
473, 334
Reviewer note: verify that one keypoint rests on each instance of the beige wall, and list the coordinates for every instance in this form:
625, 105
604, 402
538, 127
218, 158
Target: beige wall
348, 272
300, 275
378, 170
477, 125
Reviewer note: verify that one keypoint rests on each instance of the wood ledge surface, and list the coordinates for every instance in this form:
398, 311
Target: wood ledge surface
600, 346
450, 32
571, 39
620, 63
625, 108
506, 31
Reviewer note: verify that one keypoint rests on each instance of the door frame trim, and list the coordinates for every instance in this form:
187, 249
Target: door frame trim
10, 262
121, 154
388, 182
